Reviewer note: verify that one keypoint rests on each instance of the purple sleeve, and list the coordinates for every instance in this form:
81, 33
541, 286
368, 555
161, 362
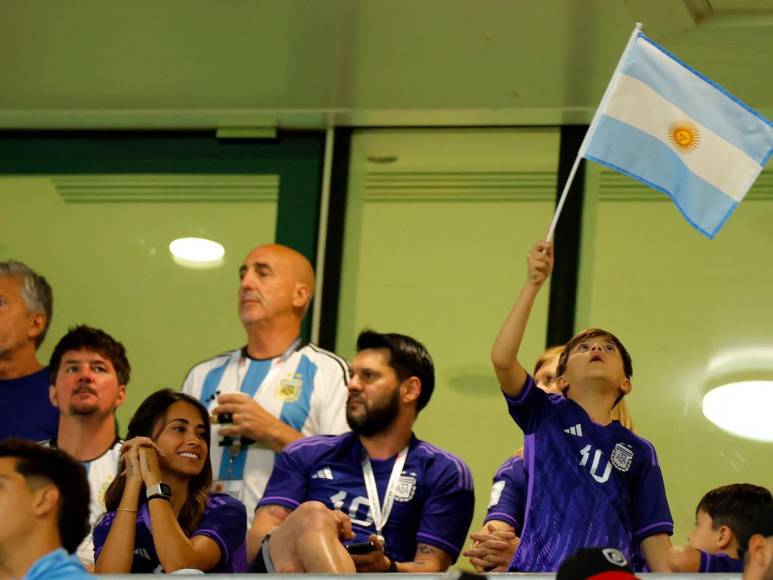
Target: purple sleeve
100, 532
720, 563
508, 494
651, 514
287, 484
225, 521
447, 512
530, 407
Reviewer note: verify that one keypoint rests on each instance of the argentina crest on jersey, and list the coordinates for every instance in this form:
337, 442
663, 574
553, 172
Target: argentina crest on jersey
622, 457
406, 487
496, 493
289, 389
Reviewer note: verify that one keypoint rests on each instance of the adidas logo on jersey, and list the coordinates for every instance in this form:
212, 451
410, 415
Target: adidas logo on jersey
325, 473
575, 430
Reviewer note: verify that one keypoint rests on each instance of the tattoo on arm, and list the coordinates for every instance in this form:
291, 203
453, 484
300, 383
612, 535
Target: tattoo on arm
147, 463
425, 549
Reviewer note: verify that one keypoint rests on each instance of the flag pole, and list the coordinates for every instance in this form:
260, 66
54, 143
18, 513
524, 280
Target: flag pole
591, 129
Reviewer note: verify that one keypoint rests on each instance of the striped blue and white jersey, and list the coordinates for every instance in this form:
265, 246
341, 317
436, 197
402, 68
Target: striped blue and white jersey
305, 388
100, 473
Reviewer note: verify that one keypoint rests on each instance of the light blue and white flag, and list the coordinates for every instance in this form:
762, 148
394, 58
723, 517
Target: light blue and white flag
670, 127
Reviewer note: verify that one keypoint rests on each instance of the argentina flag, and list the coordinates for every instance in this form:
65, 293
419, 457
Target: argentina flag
673, 129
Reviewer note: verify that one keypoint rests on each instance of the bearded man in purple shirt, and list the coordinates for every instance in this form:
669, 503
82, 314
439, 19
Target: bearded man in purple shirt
374, 500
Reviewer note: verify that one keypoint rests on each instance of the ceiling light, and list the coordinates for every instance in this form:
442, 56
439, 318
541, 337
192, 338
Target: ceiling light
742, 408
197, 252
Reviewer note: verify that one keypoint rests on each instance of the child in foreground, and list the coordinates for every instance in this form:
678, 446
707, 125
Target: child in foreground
723, 521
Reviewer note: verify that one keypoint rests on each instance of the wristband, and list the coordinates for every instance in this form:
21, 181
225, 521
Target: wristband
392, 566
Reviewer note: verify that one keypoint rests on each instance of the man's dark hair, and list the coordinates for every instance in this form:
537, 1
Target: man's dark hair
69, 477
735, 506
593, 333
35, 290
84, 337
407, 356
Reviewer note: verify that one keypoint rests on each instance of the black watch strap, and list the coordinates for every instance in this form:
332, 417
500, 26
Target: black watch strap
161, 490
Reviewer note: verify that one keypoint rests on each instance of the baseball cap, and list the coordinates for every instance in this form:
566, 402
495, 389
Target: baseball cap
596, 563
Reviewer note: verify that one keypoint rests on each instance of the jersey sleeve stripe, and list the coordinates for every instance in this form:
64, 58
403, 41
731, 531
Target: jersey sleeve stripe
654, 456
341, 362
279, 500
501, 517
314, 441
225, 555
465, 477
655, 528
507, 465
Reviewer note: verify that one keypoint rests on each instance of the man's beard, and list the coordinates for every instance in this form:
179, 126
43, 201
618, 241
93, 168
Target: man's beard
83, 409
375, 420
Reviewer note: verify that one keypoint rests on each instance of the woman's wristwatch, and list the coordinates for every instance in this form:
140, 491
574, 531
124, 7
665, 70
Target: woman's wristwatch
160, 490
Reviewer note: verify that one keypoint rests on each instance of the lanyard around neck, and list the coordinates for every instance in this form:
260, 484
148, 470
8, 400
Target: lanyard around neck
381, 512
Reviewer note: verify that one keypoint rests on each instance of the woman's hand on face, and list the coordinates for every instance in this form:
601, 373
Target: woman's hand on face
131, 461
151, 472
138, 442
141, 458
131, 458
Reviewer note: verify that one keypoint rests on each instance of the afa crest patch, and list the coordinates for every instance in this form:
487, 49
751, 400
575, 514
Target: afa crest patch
622, 457
496, 493
406, 487
289, 390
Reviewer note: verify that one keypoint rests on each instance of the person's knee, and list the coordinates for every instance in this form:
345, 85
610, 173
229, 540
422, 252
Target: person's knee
315, 516
301, 531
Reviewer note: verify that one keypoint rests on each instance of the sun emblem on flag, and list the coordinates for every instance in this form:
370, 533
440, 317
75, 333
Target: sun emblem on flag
684, 135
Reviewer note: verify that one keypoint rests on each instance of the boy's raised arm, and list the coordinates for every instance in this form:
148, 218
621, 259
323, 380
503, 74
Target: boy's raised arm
504, 353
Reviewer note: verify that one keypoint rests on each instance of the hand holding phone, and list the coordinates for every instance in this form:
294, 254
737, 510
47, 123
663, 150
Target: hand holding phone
360, 548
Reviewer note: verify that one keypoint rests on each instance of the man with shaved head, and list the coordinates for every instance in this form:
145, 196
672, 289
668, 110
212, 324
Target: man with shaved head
276, 388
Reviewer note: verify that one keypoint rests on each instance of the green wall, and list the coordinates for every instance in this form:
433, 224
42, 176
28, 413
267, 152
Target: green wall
110, 267
95, 213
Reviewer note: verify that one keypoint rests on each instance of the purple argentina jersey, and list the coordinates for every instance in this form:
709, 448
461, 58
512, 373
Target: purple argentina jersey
508, 494
589, 485
225, 521
720, 563
433, 502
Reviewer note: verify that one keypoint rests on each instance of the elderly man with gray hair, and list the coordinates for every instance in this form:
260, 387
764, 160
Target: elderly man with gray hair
26, 304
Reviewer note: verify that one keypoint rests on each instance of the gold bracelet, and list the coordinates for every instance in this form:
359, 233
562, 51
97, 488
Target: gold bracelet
126, 510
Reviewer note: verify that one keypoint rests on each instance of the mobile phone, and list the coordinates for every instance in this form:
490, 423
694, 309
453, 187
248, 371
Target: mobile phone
360, 548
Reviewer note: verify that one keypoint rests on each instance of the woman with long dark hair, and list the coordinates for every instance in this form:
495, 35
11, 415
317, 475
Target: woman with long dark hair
163, 486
